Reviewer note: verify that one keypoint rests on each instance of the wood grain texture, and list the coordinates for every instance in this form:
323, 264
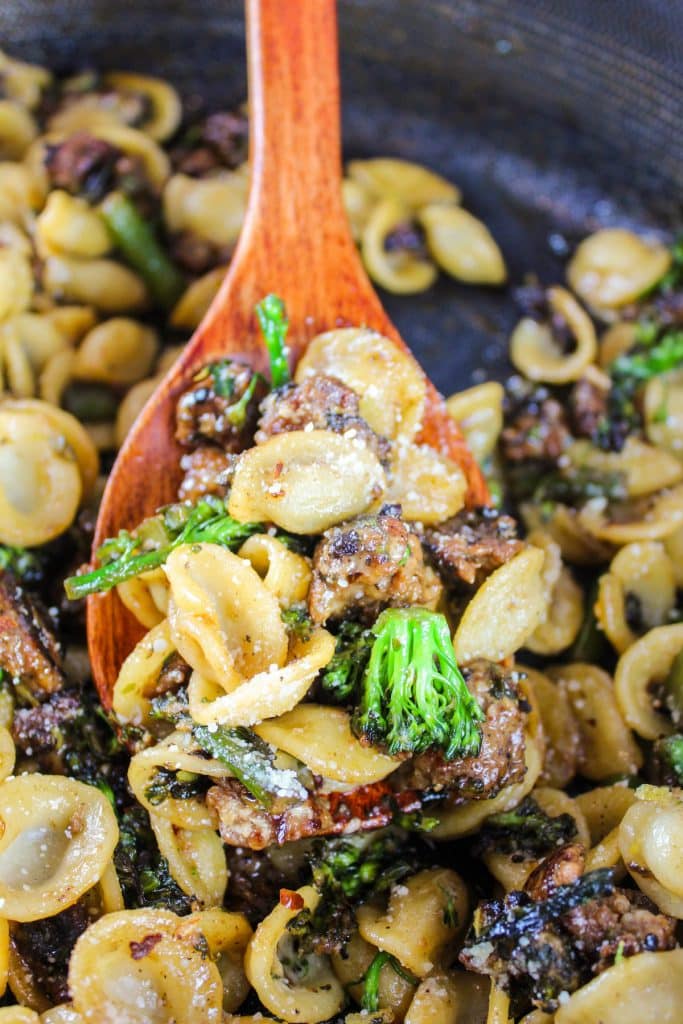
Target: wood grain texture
295, 242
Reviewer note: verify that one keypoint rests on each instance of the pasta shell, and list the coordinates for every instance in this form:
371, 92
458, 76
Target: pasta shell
305, 481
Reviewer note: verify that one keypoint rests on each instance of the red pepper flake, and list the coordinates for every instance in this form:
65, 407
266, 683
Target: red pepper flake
139, 950
291, 900
279, 466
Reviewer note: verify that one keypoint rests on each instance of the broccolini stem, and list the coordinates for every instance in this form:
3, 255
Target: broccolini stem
274, 324
251, 762
136, 240
370, 1000
207, 522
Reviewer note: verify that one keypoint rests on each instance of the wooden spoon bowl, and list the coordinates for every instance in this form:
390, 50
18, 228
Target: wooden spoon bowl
296, 243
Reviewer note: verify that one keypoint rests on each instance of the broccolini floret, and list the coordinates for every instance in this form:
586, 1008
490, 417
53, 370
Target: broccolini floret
130, 554
527, 830
414, 697
341, 679
346, 872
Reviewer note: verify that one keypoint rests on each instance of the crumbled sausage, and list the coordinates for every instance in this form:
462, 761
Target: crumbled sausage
561, 867
624, 920
468, 547
587, 407
197, 255
367, 564
82, 165
38, 730
207, 470
29, 651
242, 822
500, 761
221, 140
321, 403
536, 429
212, 409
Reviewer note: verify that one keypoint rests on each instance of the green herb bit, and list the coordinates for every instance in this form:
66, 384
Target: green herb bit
370, 1000
123, 557
274, 325
139, 246
668, 757
297, 622
414, 696
251, 761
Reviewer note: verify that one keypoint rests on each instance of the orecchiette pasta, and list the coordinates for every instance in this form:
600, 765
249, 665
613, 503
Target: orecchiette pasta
651, 844
58, 836
69, 225
402, 271
227, 935
644, 665
285, 574
642, 571
176, 753
163, 100
505, 611
445, 997
141, 965
313, 998
103, 283
211, 208
40, 480
117, 351
395, 990
137, 680
560, 729
606, 746
402, 180
647, 986
663, 412
196, 860
196, 299
321, 738
305, 481
428, 486
535, 353
614, 266
362, 358
462, 245
479, 413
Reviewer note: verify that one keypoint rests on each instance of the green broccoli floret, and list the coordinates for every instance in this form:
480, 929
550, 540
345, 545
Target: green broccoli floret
654, 354
346, 872
414, 696
297, 622
142, 871
341, 679
130, 554
526, 829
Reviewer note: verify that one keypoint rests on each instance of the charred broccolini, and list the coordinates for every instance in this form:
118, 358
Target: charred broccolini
525, 830
147, 547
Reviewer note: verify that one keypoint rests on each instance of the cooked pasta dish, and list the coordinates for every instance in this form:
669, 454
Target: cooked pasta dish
383, 754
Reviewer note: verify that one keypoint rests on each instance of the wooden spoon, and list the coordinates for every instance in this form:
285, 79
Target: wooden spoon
295, 242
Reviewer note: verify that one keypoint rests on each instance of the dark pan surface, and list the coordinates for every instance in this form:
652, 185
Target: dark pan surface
553, 117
